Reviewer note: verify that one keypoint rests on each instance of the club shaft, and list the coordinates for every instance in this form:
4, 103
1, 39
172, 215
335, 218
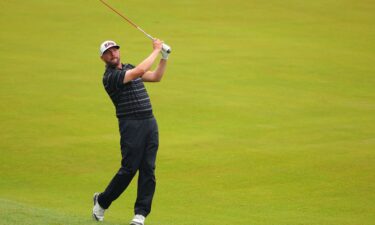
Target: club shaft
127, 19
165, 46
149, 36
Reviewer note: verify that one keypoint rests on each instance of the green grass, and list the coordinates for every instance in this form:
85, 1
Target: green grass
266, 113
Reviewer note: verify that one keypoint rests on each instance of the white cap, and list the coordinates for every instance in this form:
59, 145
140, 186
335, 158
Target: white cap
106, 45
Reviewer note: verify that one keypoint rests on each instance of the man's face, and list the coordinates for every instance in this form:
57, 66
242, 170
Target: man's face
111, 56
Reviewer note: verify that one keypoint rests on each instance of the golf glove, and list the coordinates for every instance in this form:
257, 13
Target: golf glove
164, 54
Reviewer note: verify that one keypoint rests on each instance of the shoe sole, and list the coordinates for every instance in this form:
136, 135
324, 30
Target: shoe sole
135, 223
95, 218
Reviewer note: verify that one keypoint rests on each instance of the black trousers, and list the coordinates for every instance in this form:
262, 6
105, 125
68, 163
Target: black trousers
139, 145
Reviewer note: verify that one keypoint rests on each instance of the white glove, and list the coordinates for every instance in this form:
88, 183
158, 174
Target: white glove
164, 54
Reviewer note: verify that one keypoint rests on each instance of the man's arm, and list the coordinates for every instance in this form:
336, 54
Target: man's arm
145, 65
155, 76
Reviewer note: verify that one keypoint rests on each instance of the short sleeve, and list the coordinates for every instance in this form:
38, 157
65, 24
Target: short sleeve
129, 66
114, 80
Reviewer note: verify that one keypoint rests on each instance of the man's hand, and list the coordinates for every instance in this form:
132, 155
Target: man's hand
164, 54
157, 44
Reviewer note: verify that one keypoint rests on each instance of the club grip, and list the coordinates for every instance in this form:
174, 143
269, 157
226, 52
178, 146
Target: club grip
166, 48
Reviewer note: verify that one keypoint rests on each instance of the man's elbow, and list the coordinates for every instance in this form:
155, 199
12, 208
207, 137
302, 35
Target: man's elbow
153, 76
157, 79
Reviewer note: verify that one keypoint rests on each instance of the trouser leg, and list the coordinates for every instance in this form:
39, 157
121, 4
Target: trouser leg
115, 188
132, 149
146, 178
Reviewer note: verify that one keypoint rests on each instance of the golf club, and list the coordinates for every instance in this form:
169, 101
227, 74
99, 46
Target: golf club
165, 47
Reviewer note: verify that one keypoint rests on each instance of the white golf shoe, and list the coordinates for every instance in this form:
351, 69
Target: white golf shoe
97, 211
138, 220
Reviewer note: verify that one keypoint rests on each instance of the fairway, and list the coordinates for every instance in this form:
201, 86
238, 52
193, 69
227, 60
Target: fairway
266, 112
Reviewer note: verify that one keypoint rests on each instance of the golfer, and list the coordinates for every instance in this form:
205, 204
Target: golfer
137, 125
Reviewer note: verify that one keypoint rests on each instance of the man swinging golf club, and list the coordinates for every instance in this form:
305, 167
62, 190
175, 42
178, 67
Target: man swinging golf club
137, 125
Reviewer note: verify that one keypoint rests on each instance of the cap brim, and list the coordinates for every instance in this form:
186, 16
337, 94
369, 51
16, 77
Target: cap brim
114, 46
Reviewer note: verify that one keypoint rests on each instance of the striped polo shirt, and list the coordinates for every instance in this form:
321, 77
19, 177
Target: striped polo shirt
130, 99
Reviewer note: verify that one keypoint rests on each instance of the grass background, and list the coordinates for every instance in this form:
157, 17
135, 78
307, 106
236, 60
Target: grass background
266, 112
